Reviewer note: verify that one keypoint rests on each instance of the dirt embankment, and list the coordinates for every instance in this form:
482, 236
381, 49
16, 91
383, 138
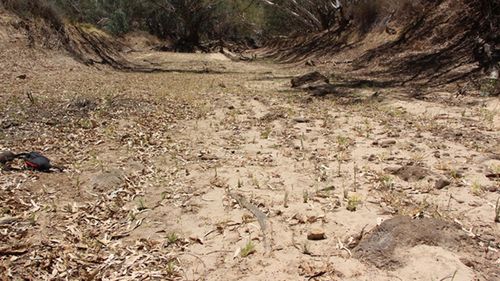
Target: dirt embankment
45, 31
433, 42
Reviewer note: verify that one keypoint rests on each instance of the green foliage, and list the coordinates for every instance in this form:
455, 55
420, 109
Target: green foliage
172, 238
118, 23
490, 87
248, 249
276, 22
185, 22
353, 203
188, 23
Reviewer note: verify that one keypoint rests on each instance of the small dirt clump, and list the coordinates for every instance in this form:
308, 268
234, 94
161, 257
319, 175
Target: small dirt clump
403, 232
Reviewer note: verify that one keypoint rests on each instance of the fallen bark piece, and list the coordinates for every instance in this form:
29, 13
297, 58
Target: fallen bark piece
309, 79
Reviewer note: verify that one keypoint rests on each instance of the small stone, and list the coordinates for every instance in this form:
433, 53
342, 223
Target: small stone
316, 234
196, 239
22, 76
493, 176
442, 183
207, 157
231, 107
392, 170
387, 143
372, 158
312, 219
301, 120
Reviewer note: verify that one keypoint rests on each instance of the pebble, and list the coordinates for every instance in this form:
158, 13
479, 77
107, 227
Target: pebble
387, 143
301, 120
442, 183
316, 234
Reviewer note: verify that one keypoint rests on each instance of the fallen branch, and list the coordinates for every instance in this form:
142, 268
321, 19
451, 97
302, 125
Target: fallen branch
261, 217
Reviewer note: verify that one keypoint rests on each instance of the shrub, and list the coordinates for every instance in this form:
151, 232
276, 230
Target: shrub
118, 23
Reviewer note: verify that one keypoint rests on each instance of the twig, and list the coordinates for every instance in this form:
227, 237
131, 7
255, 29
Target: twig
452, 277
342, 247
316, 275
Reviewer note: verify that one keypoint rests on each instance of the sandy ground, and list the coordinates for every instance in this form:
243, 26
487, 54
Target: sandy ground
232, 175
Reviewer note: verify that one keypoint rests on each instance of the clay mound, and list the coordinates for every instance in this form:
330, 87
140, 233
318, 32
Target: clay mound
378, 248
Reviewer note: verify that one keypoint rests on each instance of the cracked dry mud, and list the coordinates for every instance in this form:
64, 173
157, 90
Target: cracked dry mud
154, 158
